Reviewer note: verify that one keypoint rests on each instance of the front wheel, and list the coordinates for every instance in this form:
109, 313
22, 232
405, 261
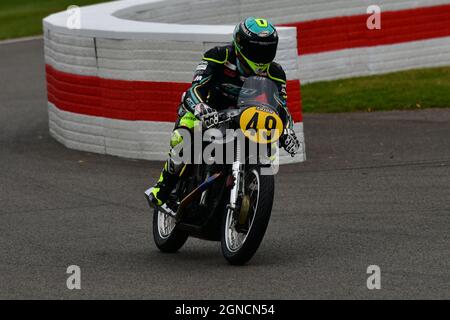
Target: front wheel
242, 232
167, 237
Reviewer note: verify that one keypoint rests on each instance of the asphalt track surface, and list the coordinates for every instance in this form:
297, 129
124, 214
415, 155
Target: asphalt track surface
374, 191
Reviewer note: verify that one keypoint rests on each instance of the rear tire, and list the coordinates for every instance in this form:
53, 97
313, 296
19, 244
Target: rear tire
258, 225
168, 239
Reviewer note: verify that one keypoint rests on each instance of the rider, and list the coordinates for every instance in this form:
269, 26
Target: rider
216, 84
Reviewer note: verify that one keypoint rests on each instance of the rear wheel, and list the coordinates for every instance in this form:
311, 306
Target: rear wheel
243, 232
165, 234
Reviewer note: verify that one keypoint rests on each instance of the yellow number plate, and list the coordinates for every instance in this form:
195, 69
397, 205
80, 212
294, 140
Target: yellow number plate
261, 124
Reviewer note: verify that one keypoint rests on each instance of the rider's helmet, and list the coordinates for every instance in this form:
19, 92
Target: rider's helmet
255, 41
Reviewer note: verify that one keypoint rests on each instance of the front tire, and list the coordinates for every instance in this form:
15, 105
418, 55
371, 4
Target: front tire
165, 234
258, 220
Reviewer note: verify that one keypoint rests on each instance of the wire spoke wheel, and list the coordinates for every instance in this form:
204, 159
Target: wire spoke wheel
235, 238
166, 225
168, 238
243, 233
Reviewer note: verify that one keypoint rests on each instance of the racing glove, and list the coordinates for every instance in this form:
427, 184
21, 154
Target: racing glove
206, 114
290, 142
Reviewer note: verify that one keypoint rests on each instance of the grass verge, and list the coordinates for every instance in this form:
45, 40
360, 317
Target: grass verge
22, 18
405, 90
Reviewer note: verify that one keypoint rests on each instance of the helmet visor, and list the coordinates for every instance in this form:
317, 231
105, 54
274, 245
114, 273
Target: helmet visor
255, 64
260, 51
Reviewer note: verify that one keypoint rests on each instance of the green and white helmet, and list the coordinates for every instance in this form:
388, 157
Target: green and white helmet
255, 41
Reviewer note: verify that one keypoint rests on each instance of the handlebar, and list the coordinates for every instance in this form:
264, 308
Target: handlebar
227, 115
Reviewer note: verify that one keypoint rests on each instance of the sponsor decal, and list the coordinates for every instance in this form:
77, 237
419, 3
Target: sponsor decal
264, 109
197, 78
190, 102
202, 66
246, 31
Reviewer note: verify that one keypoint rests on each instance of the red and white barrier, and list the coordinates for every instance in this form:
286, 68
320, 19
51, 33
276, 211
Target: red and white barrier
414, 35
333, 39
114, 84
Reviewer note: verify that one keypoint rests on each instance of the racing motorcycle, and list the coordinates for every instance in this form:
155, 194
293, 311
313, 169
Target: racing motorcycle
228, 202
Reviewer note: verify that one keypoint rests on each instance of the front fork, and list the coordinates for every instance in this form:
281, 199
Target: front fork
237, 174
235, 190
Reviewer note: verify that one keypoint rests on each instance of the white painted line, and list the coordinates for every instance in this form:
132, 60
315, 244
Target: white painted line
24, 39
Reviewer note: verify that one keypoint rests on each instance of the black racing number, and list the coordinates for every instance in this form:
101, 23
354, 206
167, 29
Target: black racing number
270, 124
253, 123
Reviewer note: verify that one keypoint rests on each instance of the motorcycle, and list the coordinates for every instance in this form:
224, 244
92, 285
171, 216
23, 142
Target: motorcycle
229, 202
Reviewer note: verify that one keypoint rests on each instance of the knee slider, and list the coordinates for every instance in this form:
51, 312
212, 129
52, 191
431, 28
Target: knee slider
175, 139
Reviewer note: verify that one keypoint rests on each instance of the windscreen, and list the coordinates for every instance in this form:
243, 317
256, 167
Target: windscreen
259, 90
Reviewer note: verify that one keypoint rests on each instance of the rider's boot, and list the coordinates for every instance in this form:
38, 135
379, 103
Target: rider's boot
159, 194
